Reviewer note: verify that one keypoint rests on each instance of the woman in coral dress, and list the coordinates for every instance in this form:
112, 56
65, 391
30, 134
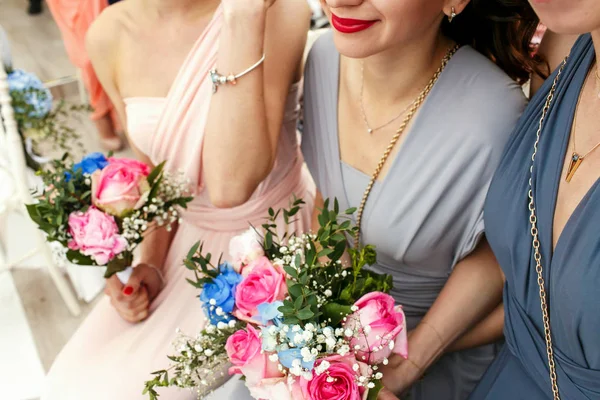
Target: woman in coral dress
74, 18
238, 146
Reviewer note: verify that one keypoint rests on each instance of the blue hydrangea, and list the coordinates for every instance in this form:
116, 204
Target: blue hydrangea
36, 94
269, 312
218, 296
287, 358
89, 164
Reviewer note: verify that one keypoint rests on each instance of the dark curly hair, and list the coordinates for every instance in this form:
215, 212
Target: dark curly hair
502, 30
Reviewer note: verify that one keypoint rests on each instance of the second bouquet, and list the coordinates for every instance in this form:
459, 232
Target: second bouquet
101, 208
289, 316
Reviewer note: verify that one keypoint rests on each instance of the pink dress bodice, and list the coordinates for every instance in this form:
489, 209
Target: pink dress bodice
143, 116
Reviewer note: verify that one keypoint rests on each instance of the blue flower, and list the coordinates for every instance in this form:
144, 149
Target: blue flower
218, 296
268, 312
291, 335
229, 274
35, 93
287, 357
89, 164
214, 317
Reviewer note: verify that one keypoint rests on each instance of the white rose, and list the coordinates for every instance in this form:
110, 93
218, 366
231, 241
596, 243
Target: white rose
245, 248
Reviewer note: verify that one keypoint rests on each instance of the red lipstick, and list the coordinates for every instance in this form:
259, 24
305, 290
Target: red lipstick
347, 25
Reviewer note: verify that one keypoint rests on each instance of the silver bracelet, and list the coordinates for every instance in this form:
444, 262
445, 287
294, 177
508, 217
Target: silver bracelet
160, 275
218, 79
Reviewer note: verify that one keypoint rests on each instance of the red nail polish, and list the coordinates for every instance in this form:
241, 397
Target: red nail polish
128, 291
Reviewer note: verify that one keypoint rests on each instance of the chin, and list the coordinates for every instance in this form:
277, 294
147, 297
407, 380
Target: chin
563, 27
354, 47
568, 18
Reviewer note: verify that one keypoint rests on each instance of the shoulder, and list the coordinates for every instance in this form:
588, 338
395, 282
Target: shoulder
103, 36
483, 95
475, 71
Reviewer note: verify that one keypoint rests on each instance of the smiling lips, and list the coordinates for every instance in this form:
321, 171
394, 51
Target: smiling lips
347, 25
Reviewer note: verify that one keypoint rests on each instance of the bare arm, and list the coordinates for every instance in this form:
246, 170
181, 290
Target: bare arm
102, 45
245, 120
473, 290
489, 330
553, 48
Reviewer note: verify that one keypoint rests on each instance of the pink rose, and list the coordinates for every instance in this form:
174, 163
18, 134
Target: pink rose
260, 262
265, 284
244, 351
241, 347
380, 328
245, 248
121, 186
344, 384
95, 234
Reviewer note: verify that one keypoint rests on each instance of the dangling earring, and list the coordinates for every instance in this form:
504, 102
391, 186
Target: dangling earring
452, 15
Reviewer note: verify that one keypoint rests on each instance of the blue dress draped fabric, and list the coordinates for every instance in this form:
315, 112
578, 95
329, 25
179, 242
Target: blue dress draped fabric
571, 271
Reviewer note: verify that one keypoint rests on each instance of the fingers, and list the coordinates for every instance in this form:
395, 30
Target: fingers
134, 283
131, 301
134, 310
114, 288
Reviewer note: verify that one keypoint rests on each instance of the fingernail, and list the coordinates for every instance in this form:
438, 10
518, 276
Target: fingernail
128, 291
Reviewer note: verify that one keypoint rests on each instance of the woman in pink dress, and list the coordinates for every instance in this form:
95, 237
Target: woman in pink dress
238, 146
74, 18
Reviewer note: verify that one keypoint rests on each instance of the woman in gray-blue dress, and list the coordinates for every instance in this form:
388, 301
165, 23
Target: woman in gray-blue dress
390, 76
552, 269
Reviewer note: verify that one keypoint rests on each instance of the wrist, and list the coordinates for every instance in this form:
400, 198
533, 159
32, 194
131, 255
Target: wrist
425, 345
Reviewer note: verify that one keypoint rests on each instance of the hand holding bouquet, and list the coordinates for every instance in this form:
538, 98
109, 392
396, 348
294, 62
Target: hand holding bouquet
289, 317
100, 208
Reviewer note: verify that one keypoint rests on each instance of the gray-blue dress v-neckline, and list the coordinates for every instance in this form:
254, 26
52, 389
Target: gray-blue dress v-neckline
571, 271
427, 213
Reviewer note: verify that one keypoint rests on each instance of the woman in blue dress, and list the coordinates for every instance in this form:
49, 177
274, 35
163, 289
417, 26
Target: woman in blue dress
543, 222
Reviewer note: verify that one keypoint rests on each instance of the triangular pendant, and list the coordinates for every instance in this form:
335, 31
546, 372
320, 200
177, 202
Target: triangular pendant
576, 160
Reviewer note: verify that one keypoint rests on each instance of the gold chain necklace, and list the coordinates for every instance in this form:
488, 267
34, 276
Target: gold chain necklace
576, 158
415, 106
536, 243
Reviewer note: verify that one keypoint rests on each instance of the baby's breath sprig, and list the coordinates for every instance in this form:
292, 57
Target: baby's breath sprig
200, 363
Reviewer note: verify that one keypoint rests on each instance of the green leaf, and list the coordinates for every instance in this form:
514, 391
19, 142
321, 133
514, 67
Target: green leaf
291, 271
305, 313
268, 240
34, 213
304, 279
295, 289
298, 303
286, 309
325, 252
193, 250
116, 265
374, 392
336, 312
77, 258
351, 211
155, 173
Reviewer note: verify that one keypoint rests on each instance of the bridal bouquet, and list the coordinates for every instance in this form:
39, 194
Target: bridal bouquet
100, 208
40, 123
288, 316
